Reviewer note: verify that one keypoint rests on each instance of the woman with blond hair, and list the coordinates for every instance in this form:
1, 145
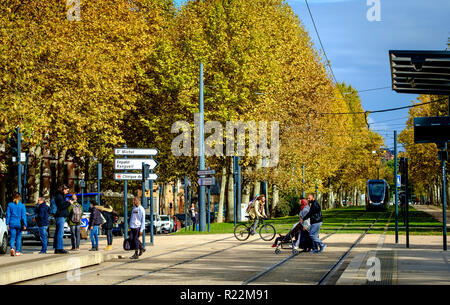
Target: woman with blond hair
16, 221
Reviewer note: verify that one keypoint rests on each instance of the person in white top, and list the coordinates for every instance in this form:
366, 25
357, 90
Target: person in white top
137, 226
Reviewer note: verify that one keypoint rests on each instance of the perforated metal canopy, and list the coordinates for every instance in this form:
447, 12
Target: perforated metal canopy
420, 72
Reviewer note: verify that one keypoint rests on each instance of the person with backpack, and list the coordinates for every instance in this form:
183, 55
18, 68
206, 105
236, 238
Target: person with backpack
16, 222
95, 220
60, 216
110, 216
256, 211
74, 221
315, 216
42, 221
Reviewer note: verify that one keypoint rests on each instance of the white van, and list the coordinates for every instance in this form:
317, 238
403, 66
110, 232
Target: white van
3, 232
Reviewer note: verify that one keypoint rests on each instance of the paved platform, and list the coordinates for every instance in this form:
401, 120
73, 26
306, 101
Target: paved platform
423, 263
222, 260
33, 265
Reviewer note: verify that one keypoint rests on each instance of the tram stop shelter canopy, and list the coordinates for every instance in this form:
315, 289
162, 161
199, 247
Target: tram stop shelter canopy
420, 72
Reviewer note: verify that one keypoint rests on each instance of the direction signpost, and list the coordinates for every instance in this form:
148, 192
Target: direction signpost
133, 164
134, 176
207, 181
144, 168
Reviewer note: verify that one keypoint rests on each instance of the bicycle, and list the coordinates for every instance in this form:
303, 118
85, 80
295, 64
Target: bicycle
266, 231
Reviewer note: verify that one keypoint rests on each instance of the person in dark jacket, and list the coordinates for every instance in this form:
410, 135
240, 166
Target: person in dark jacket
42, 217
60, 216
109, 215
315, 216
95, 220
16, 221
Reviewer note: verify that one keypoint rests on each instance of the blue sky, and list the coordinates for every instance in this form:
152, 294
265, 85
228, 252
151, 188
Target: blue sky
358, 49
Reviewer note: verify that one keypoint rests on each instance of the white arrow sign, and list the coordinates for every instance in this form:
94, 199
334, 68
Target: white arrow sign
133, 164
131, 176
135, 151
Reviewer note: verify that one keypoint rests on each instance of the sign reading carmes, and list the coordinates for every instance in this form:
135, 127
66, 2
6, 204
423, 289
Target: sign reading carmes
257, 139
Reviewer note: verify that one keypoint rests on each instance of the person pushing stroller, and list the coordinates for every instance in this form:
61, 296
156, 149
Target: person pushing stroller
298, 235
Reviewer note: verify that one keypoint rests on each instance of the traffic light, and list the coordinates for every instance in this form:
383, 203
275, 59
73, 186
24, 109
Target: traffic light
403, 169
145, 172
13, 145
443, 155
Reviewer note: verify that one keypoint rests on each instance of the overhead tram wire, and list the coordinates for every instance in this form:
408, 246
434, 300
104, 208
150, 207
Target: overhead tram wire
384, 110
374, 89
323, 50
329, 65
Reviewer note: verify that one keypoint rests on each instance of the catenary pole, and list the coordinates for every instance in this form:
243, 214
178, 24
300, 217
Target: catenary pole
201, 193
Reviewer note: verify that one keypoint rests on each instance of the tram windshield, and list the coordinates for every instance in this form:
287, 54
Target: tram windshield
376, 191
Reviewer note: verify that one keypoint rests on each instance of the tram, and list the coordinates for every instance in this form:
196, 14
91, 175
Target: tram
377, 195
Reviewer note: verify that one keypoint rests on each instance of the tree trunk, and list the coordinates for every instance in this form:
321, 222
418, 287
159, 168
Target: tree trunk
230, 197
246, 193
257, 187
223, 185
275, 199
331, 199
61, 167
37, 165
175, 197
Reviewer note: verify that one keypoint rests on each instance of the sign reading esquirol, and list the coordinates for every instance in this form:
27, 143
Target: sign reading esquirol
133, 164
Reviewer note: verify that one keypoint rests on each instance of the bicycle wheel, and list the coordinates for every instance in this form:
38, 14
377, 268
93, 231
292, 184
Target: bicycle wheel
241, 232
267, 232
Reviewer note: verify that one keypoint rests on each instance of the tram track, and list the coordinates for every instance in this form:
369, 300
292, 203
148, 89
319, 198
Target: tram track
144, 259
330, 272
217, 252
190, 260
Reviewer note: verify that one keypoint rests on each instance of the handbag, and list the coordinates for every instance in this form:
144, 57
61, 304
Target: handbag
128, 244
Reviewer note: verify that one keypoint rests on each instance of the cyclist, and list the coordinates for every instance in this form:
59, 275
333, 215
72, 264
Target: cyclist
256, 211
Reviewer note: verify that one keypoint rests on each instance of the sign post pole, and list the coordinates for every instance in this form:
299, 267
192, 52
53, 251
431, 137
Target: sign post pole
143, 200
443, 156
99, 177
396, 186
209, 203
151, 210
19, 162
185, 203
125, 204
407, 202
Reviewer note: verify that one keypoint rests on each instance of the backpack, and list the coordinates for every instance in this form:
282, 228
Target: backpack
250, 204
76, 214
53, 207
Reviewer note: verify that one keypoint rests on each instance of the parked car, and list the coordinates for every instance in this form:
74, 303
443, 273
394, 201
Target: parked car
32, 232
3, 232
118, 227
167, 224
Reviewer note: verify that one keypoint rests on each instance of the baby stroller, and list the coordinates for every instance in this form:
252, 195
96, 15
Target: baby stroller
289, 240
